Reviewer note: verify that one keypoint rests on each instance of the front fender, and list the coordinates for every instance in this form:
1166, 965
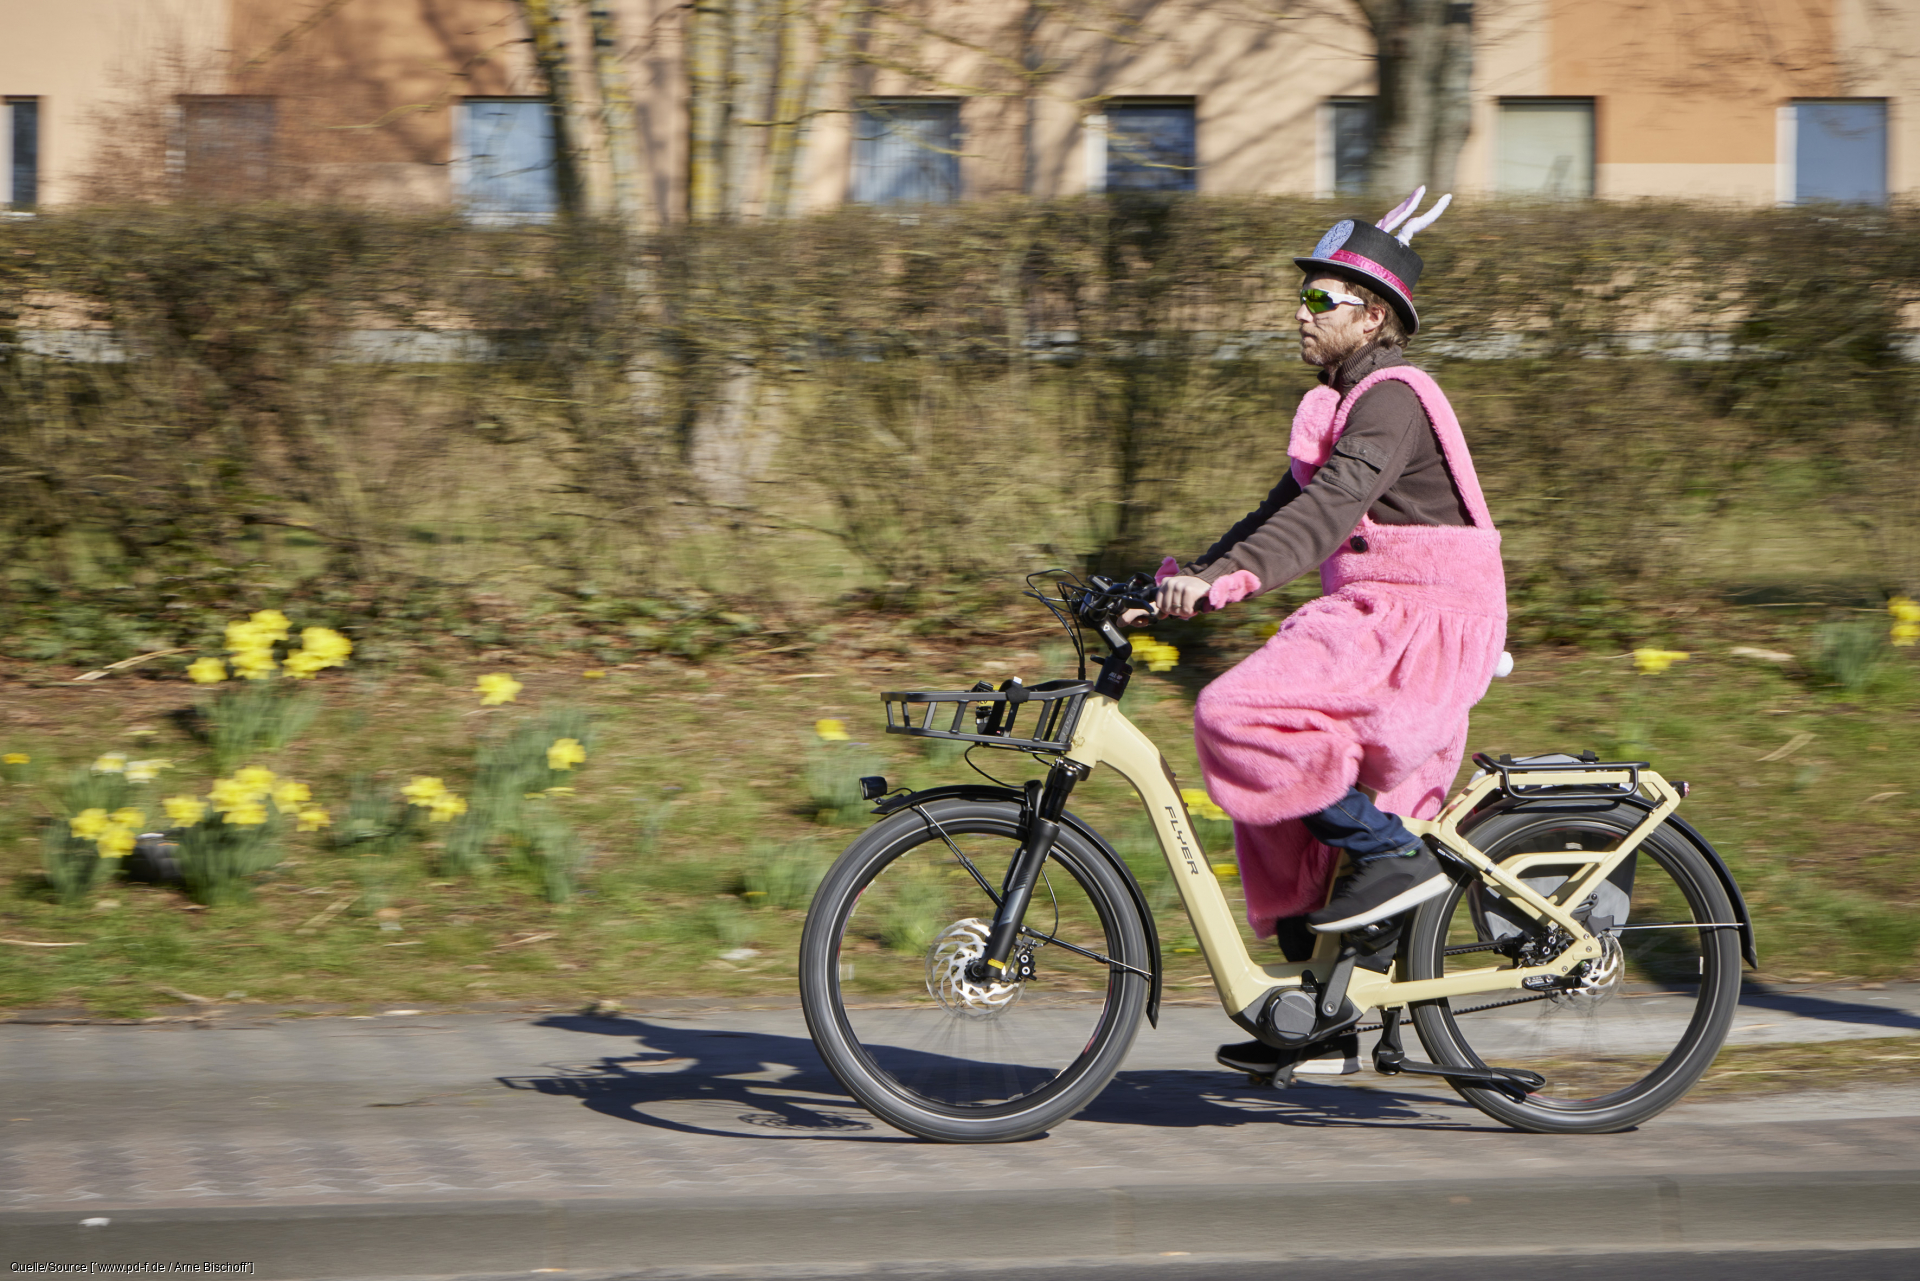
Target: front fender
988, 792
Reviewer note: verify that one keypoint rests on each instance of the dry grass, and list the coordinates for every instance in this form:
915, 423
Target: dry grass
1818, 1065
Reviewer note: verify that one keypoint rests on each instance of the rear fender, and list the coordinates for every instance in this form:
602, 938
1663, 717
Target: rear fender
988, 792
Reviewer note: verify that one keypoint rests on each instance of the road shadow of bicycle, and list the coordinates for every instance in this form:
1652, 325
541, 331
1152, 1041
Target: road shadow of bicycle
1807, 1005
761, 1085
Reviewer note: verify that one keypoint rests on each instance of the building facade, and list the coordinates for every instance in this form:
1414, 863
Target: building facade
432, 103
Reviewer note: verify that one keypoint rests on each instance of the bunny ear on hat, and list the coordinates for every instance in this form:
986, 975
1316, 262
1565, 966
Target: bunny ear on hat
1425, 220
1401, 210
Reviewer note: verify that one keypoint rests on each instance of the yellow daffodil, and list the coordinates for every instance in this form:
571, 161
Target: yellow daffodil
270, 623
129, 817
245, 634
422, 790
249, 814
1906, 620
229, 793
289, 796
1225, 870
15, 758
1158, 655
1200, 805
496, 688
258, 777
145, 771
253, 664
557, 791
312, 820
1268, 630
1653, 661
831, 731
206, 671
88, 824
594, 674
327, 643
445, 807
565, 753
301, 665
321, 647
184, 811
115, 842
111, 763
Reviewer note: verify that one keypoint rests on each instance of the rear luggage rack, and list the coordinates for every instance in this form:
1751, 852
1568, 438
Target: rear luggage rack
996, 714
1582, 775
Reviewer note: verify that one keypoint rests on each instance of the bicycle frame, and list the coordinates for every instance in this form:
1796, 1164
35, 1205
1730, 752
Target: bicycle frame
1104, 736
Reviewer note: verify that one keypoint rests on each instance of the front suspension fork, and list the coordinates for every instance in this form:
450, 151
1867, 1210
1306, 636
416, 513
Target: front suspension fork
1043, 813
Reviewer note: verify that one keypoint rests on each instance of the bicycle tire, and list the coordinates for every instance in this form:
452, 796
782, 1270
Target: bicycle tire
962, 1073
1614, 1056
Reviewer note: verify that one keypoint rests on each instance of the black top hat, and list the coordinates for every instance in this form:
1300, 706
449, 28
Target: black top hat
1371, 255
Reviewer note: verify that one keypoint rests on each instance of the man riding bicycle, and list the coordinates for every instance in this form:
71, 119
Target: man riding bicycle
1356, 710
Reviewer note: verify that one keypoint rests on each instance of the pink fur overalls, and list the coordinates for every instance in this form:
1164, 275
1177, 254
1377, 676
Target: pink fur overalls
1370, 683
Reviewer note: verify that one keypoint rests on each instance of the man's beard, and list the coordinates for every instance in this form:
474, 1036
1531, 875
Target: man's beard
1325, 355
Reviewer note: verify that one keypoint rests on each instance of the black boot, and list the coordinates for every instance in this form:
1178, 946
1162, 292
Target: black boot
1336, 1056
1382, 886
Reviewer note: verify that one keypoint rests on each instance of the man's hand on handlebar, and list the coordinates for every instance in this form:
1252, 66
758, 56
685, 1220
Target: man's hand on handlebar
1181, 596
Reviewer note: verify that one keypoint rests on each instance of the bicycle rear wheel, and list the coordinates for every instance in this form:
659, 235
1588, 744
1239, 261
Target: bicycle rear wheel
883, 976
1638, 1027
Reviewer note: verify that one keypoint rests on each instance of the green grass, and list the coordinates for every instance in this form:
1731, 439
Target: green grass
708, 808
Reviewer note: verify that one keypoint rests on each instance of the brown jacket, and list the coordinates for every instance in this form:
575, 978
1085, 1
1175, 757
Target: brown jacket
1387, 464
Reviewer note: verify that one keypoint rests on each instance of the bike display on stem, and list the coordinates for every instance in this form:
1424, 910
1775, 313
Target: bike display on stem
1578, 976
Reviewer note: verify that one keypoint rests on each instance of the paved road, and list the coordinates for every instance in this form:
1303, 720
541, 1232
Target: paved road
694, 1120
1718, 1264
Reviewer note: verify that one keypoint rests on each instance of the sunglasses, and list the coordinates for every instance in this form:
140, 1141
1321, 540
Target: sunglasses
1319, 300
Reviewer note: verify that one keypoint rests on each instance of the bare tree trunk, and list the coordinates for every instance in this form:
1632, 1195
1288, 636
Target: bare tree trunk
801, 96
707, 80
616, 116
755, 48
1453, 94
544, 25
1424, 50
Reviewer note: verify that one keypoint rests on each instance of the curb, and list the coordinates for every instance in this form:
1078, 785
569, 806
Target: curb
1606, 1214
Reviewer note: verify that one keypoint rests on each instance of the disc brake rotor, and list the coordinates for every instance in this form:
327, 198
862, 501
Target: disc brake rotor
957, 947
1598, 979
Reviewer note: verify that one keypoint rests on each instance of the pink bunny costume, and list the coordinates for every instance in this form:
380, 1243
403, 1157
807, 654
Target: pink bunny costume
1372, 682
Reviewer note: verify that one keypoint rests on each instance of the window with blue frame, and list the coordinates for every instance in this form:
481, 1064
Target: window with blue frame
1352, 143
506, 161
23, 152
1840, 151
1151, 145
906, 151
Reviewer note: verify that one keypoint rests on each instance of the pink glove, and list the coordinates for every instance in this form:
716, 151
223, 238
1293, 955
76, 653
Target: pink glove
1236, 586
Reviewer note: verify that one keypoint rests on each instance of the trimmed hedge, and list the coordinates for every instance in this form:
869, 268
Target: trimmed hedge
680, 439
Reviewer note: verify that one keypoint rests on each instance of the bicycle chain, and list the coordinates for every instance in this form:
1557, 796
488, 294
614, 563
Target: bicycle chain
1475, 1009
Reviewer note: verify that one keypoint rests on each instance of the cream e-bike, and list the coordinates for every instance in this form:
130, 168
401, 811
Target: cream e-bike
975, 966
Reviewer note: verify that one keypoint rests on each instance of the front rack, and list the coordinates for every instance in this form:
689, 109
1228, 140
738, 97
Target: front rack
996, 714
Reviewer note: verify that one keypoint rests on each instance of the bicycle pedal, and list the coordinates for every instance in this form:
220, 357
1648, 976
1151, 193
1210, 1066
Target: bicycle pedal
1281, 1079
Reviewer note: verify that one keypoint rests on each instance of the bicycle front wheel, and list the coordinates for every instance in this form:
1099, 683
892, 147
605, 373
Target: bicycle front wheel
884, 984
1629, 1034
